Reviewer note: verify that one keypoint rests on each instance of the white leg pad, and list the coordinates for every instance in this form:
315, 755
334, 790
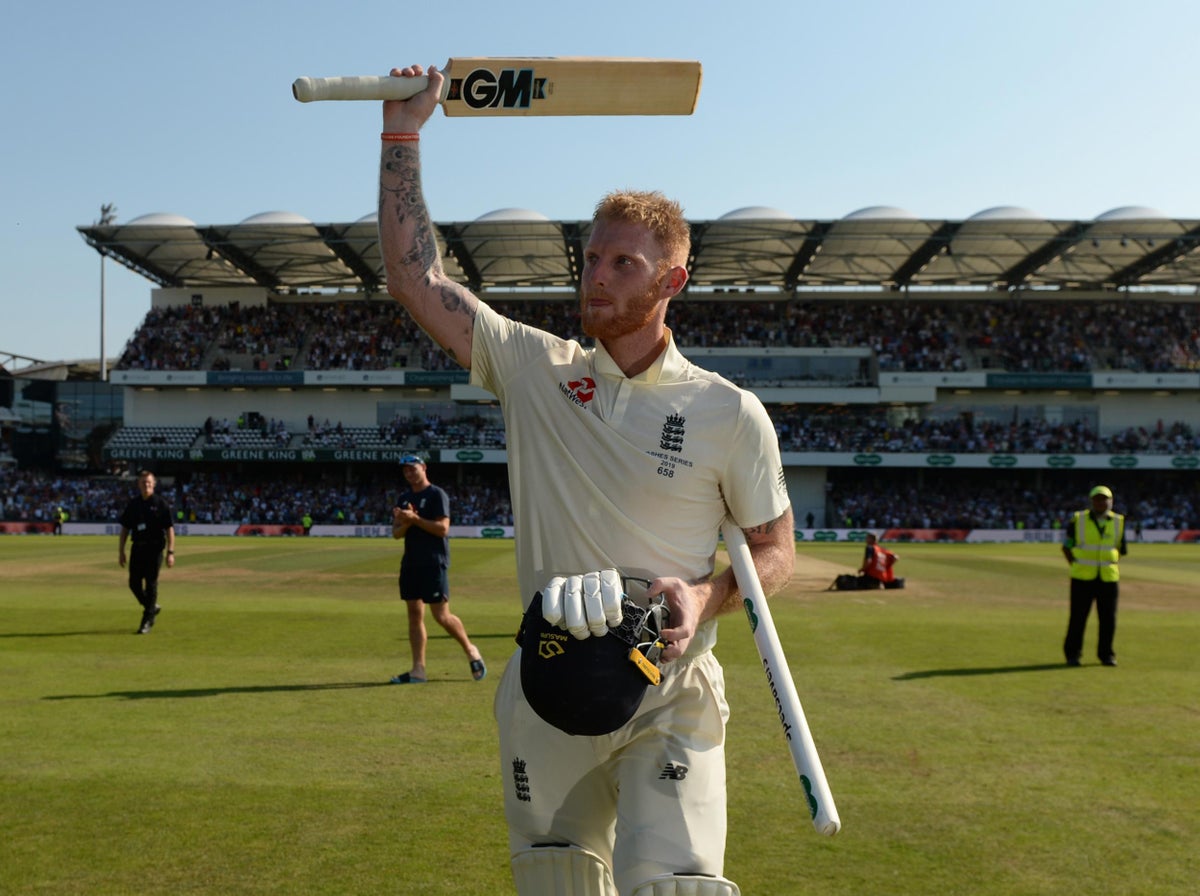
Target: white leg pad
562, 871
687, 885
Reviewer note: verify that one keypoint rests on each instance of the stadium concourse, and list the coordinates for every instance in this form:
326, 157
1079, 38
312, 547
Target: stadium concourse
927, 378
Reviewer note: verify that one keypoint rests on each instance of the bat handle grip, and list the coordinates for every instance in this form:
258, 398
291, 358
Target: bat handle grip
365, 87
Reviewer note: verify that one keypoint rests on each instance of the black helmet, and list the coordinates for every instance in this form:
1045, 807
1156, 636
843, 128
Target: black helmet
595, 685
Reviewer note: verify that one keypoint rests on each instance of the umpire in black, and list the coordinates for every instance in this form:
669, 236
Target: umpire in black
148, 520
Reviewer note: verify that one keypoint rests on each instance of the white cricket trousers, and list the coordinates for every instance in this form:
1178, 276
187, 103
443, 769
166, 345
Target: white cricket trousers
649, 799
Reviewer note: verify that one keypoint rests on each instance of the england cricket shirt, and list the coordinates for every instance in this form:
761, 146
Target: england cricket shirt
635, 473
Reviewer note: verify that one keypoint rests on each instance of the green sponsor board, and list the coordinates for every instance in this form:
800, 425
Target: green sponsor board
824, 535
260, 455
1002, 460
1060, 460
856, 535
1186, 463
148, 453
435, 377
491, 532
940, 460
277, 378
868, 460
470, 457
1039, 381
1123, 461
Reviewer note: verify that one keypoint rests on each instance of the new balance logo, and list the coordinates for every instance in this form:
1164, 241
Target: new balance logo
673, 772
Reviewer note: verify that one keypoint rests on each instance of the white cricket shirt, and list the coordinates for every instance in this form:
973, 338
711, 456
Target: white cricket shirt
634, 473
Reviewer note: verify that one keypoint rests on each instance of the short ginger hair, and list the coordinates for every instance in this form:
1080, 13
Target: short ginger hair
663, 217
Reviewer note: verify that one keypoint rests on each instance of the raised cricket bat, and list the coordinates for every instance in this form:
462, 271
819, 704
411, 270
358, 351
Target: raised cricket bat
562, 85
787, 702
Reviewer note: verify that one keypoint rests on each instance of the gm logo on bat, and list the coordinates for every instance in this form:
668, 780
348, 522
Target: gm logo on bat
510, 88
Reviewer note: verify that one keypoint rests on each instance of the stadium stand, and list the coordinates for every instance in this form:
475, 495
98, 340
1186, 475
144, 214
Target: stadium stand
917, 371
1152, 337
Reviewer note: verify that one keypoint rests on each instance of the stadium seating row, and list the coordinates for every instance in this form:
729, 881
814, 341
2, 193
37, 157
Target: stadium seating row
798, 430
1019, 336
857, 499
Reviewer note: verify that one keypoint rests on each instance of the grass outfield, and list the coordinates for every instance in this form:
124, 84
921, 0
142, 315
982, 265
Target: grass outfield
251, 745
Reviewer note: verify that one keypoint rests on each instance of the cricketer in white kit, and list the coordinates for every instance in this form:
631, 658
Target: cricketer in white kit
634, 474
623, 458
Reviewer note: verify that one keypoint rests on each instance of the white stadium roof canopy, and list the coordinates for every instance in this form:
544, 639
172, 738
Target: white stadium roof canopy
757, 247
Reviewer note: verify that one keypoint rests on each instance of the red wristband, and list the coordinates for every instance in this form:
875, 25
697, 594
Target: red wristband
399, 138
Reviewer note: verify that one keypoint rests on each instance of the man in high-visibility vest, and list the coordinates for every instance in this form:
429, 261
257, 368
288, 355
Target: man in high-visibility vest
1093, 543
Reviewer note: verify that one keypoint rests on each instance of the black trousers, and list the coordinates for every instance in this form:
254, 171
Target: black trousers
144, 564
1083, 595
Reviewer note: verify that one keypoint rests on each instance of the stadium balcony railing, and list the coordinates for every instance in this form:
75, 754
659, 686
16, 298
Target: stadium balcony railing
154, 436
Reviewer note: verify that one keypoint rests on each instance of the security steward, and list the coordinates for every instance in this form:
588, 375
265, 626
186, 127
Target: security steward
148, 520
1093, 543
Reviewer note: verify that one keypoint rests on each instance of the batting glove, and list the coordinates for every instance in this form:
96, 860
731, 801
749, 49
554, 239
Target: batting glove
584, 605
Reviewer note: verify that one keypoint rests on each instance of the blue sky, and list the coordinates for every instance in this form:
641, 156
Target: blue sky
1066, 107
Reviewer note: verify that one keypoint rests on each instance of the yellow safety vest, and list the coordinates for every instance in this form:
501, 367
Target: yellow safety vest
1097, 549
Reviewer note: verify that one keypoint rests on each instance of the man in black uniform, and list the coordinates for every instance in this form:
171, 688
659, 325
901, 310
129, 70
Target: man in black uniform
148, 519
422, 519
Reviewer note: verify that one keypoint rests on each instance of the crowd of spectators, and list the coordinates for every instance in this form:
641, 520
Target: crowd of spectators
856, 499
360, 336
916, 336
1027, 335
258, 331
799, 428
845, 430
417, 431
432, 431
174, 338
199, 497
976, 500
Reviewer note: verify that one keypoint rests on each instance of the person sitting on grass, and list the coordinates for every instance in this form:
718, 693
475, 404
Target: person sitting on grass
877, 567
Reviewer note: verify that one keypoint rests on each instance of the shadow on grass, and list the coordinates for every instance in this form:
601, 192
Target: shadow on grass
481, 636
992, 670
214, 692
111, 631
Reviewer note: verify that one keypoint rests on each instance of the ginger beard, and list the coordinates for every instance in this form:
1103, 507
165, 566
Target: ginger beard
613, 321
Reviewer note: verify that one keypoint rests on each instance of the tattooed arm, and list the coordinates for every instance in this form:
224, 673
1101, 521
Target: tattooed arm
443, 308
773, 550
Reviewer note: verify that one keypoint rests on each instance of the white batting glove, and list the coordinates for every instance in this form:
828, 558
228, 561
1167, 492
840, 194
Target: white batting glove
584, 605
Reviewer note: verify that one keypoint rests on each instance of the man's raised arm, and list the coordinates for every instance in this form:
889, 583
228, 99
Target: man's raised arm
443, 308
